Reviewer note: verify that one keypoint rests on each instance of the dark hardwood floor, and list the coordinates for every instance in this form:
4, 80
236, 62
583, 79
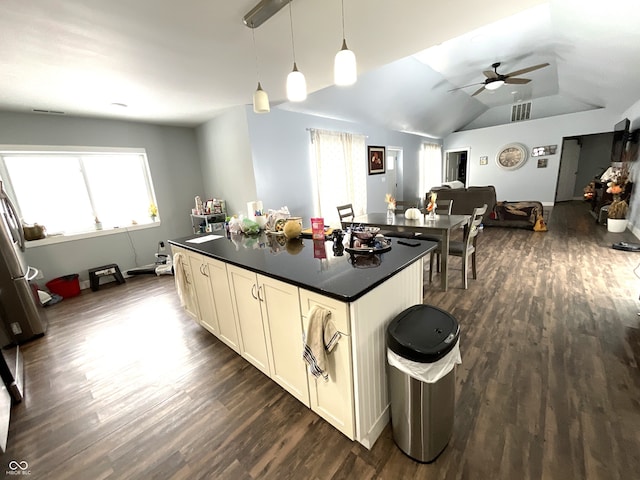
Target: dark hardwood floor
126, 386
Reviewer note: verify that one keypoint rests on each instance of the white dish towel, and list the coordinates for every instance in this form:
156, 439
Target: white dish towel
180, 278
322, 337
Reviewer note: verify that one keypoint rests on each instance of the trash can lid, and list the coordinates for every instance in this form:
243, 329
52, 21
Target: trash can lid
423, 333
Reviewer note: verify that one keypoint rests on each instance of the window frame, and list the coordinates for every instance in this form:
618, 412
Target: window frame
8, 150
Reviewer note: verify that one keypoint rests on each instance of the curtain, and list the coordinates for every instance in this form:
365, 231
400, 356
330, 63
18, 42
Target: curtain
430, 167
340, 160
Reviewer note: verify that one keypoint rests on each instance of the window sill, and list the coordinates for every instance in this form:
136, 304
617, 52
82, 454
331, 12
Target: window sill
82, 236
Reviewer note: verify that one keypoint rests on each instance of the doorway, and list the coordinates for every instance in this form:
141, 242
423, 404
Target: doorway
394, 179
569, 159
456, 162
593, 153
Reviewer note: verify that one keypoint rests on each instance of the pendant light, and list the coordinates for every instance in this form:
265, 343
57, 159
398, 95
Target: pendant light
345, 71
296, 84
260, 97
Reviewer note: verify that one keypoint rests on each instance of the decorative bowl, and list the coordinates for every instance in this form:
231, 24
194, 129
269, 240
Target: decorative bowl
365, 233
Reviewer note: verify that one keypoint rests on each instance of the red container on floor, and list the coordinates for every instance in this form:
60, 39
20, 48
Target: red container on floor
66, 286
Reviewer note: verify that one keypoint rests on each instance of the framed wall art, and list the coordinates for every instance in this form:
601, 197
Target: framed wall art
376, 160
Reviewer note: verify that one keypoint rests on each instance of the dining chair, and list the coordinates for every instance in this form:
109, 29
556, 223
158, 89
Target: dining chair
442, 208
403, 205
345, 212
465, 249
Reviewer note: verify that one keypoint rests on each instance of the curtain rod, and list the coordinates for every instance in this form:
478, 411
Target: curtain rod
336, 131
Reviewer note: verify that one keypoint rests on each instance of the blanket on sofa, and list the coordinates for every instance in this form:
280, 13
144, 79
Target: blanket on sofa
517, 214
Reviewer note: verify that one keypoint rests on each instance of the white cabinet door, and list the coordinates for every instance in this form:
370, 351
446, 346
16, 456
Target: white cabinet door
222, 303
189, 293
333, 399
281, 315
199, 268
244, 290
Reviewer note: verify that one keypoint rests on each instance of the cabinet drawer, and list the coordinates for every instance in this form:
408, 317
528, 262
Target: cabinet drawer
339, 310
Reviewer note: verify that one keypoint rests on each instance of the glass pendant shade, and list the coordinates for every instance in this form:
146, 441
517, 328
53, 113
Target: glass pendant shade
496, 84
345, 71
296, 86
261, 101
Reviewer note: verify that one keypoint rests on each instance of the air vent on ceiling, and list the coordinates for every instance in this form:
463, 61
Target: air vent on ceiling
50, 112
521, 111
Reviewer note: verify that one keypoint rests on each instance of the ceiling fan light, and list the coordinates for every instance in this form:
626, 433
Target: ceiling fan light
261, 101
345, 70
296, 86
496, 84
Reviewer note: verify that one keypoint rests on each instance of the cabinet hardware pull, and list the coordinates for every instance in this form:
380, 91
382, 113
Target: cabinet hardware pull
259, 295
253, 291
205, 270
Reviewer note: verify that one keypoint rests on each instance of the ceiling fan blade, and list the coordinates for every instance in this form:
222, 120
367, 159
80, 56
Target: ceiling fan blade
526, 70
477, 91
465, 86
490, 74
519, 81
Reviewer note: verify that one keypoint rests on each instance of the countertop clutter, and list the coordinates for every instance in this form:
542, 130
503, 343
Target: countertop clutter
307, 263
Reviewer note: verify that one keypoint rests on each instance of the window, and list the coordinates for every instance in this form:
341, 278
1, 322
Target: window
340, 173
72, 192
430, 167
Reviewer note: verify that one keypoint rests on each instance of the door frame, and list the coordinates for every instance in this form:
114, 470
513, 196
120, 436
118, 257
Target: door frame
445, 162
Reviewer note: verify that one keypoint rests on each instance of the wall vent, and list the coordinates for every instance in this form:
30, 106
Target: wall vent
521, 111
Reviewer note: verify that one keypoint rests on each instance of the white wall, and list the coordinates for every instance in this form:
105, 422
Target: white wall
280, 143
175, 171
527, 182
225, 153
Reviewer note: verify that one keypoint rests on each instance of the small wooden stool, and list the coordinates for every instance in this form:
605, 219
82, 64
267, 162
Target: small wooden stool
103, 271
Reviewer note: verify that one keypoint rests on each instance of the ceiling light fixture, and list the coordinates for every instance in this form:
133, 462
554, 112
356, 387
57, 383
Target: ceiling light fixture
260, 97
345, 71
262, 12
494, 85
296, 83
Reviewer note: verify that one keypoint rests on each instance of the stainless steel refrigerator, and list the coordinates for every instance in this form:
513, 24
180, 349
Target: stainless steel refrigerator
21, 313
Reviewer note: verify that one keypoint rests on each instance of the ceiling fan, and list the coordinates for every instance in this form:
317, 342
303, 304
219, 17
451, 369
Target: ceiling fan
495, 80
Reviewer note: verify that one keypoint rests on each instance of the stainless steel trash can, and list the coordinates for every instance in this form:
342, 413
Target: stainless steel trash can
422, 412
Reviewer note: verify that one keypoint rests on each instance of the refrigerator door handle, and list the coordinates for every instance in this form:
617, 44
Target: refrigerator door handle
32, 273
14, 223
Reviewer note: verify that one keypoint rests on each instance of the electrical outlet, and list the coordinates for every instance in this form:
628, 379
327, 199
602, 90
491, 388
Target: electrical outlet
161, 246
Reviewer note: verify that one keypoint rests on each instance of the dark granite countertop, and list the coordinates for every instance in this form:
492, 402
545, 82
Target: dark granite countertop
300, 262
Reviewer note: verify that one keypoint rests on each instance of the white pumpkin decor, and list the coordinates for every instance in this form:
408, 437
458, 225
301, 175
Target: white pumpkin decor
412, 214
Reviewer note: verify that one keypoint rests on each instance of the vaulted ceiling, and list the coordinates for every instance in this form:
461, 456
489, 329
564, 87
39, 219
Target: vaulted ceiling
181, 63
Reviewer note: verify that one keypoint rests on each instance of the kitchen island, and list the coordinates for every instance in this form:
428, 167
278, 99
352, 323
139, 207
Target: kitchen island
255, 293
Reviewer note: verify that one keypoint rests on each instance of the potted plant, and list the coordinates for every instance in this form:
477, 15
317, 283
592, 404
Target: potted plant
617, 213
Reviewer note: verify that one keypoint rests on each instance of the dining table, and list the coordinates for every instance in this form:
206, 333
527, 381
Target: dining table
442, 225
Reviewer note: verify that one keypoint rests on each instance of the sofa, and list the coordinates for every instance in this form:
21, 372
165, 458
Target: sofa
524, 214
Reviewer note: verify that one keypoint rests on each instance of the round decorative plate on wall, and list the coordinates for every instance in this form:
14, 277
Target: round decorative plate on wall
512, 156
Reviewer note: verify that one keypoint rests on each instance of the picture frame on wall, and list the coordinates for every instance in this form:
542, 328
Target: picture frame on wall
376, 159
